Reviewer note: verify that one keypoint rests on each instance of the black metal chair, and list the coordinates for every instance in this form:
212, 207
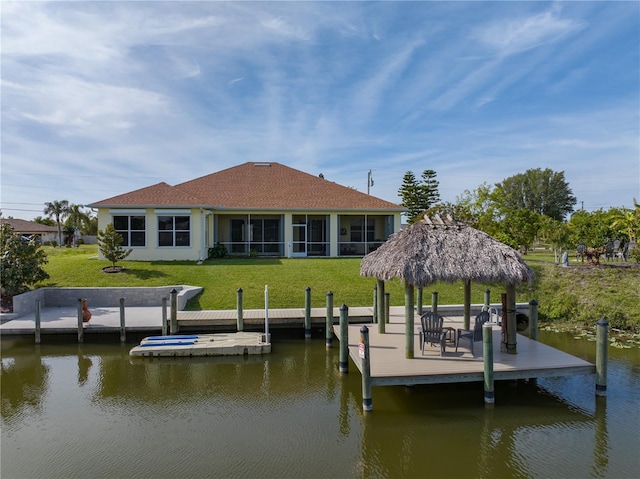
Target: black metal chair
432, 331
475, 334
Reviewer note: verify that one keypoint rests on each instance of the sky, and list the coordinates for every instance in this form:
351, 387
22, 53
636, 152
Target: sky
102, 98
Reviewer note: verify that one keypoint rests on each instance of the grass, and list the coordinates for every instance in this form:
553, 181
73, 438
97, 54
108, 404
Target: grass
579, 294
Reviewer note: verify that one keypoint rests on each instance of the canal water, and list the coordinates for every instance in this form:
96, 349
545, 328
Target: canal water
91, 411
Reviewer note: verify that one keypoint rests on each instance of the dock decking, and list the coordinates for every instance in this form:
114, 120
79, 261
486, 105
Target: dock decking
390, 367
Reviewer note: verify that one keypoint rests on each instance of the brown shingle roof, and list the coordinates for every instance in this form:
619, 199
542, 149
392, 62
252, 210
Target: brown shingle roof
160, 194
254, 186
28, 227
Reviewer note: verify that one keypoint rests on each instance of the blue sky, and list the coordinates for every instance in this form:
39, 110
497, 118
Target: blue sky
101, 98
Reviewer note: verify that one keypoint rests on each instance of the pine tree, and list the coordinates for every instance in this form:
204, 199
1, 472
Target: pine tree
109, 242
418, 196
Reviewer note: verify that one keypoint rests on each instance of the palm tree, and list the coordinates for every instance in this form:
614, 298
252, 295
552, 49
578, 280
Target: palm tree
76, 218
58, 210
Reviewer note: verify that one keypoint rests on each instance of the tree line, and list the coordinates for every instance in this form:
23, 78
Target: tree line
535, 205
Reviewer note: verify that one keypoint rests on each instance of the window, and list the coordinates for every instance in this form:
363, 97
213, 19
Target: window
132, 229
357, 233
174, 231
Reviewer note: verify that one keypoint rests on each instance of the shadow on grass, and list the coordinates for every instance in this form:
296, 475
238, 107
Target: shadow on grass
143, 273
244, 262
194, 303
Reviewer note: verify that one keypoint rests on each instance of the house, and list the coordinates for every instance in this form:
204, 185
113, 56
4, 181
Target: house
263, 209
30, 229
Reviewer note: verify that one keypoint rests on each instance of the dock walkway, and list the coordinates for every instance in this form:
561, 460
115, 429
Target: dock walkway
64, 320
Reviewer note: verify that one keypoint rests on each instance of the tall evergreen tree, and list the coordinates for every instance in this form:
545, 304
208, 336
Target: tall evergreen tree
409, 192
418, 196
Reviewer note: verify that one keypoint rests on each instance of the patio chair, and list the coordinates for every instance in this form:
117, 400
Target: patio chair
432, 331
474, 334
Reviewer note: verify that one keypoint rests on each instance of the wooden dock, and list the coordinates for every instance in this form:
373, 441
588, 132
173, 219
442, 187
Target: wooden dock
390, 367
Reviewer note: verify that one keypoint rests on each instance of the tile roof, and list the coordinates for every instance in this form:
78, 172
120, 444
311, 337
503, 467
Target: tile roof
254, 185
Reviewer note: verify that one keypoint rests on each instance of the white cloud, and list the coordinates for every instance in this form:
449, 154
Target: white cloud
515, 35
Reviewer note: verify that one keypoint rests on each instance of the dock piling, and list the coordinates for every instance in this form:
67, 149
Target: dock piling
434, 302
533, 320
37, 327
80, 322
173, 325
307, 313
123, 329
165, 326
380, 306
344, 339
487, 299
240, 317
602, 345
329, 321
363, 349
487, 351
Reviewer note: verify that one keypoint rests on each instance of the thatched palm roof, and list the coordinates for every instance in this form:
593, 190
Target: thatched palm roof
425, 253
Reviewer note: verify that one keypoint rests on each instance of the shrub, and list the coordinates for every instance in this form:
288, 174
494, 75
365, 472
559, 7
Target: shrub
218, 251
21, 262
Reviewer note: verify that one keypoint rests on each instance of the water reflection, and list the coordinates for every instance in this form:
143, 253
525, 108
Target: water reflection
292, 414
24, 383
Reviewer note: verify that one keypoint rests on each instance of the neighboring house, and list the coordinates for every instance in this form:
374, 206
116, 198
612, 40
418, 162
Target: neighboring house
29, 228
264, 209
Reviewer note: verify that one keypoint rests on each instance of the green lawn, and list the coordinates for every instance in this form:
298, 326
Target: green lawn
579, 294
287, 280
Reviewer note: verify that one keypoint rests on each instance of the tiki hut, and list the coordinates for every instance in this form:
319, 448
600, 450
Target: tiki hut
429, 251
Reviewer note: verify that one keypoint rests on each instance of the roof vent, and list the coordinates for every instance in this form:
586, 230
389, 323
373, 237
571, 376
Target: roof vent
262, 164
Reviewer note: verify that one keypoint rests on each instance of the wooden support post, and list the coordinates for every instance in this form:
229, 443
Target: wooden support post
602, 352
307, 313
363, 348
344, 339
80, 322
165, 325
419, 302
408, 320
533, 320
374, 319
329, 321
487, 299
380, 304
173, 325
37, 326
123, 329
512, 341
487, 351
240, 313
467, 304
434, 302
387, 307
